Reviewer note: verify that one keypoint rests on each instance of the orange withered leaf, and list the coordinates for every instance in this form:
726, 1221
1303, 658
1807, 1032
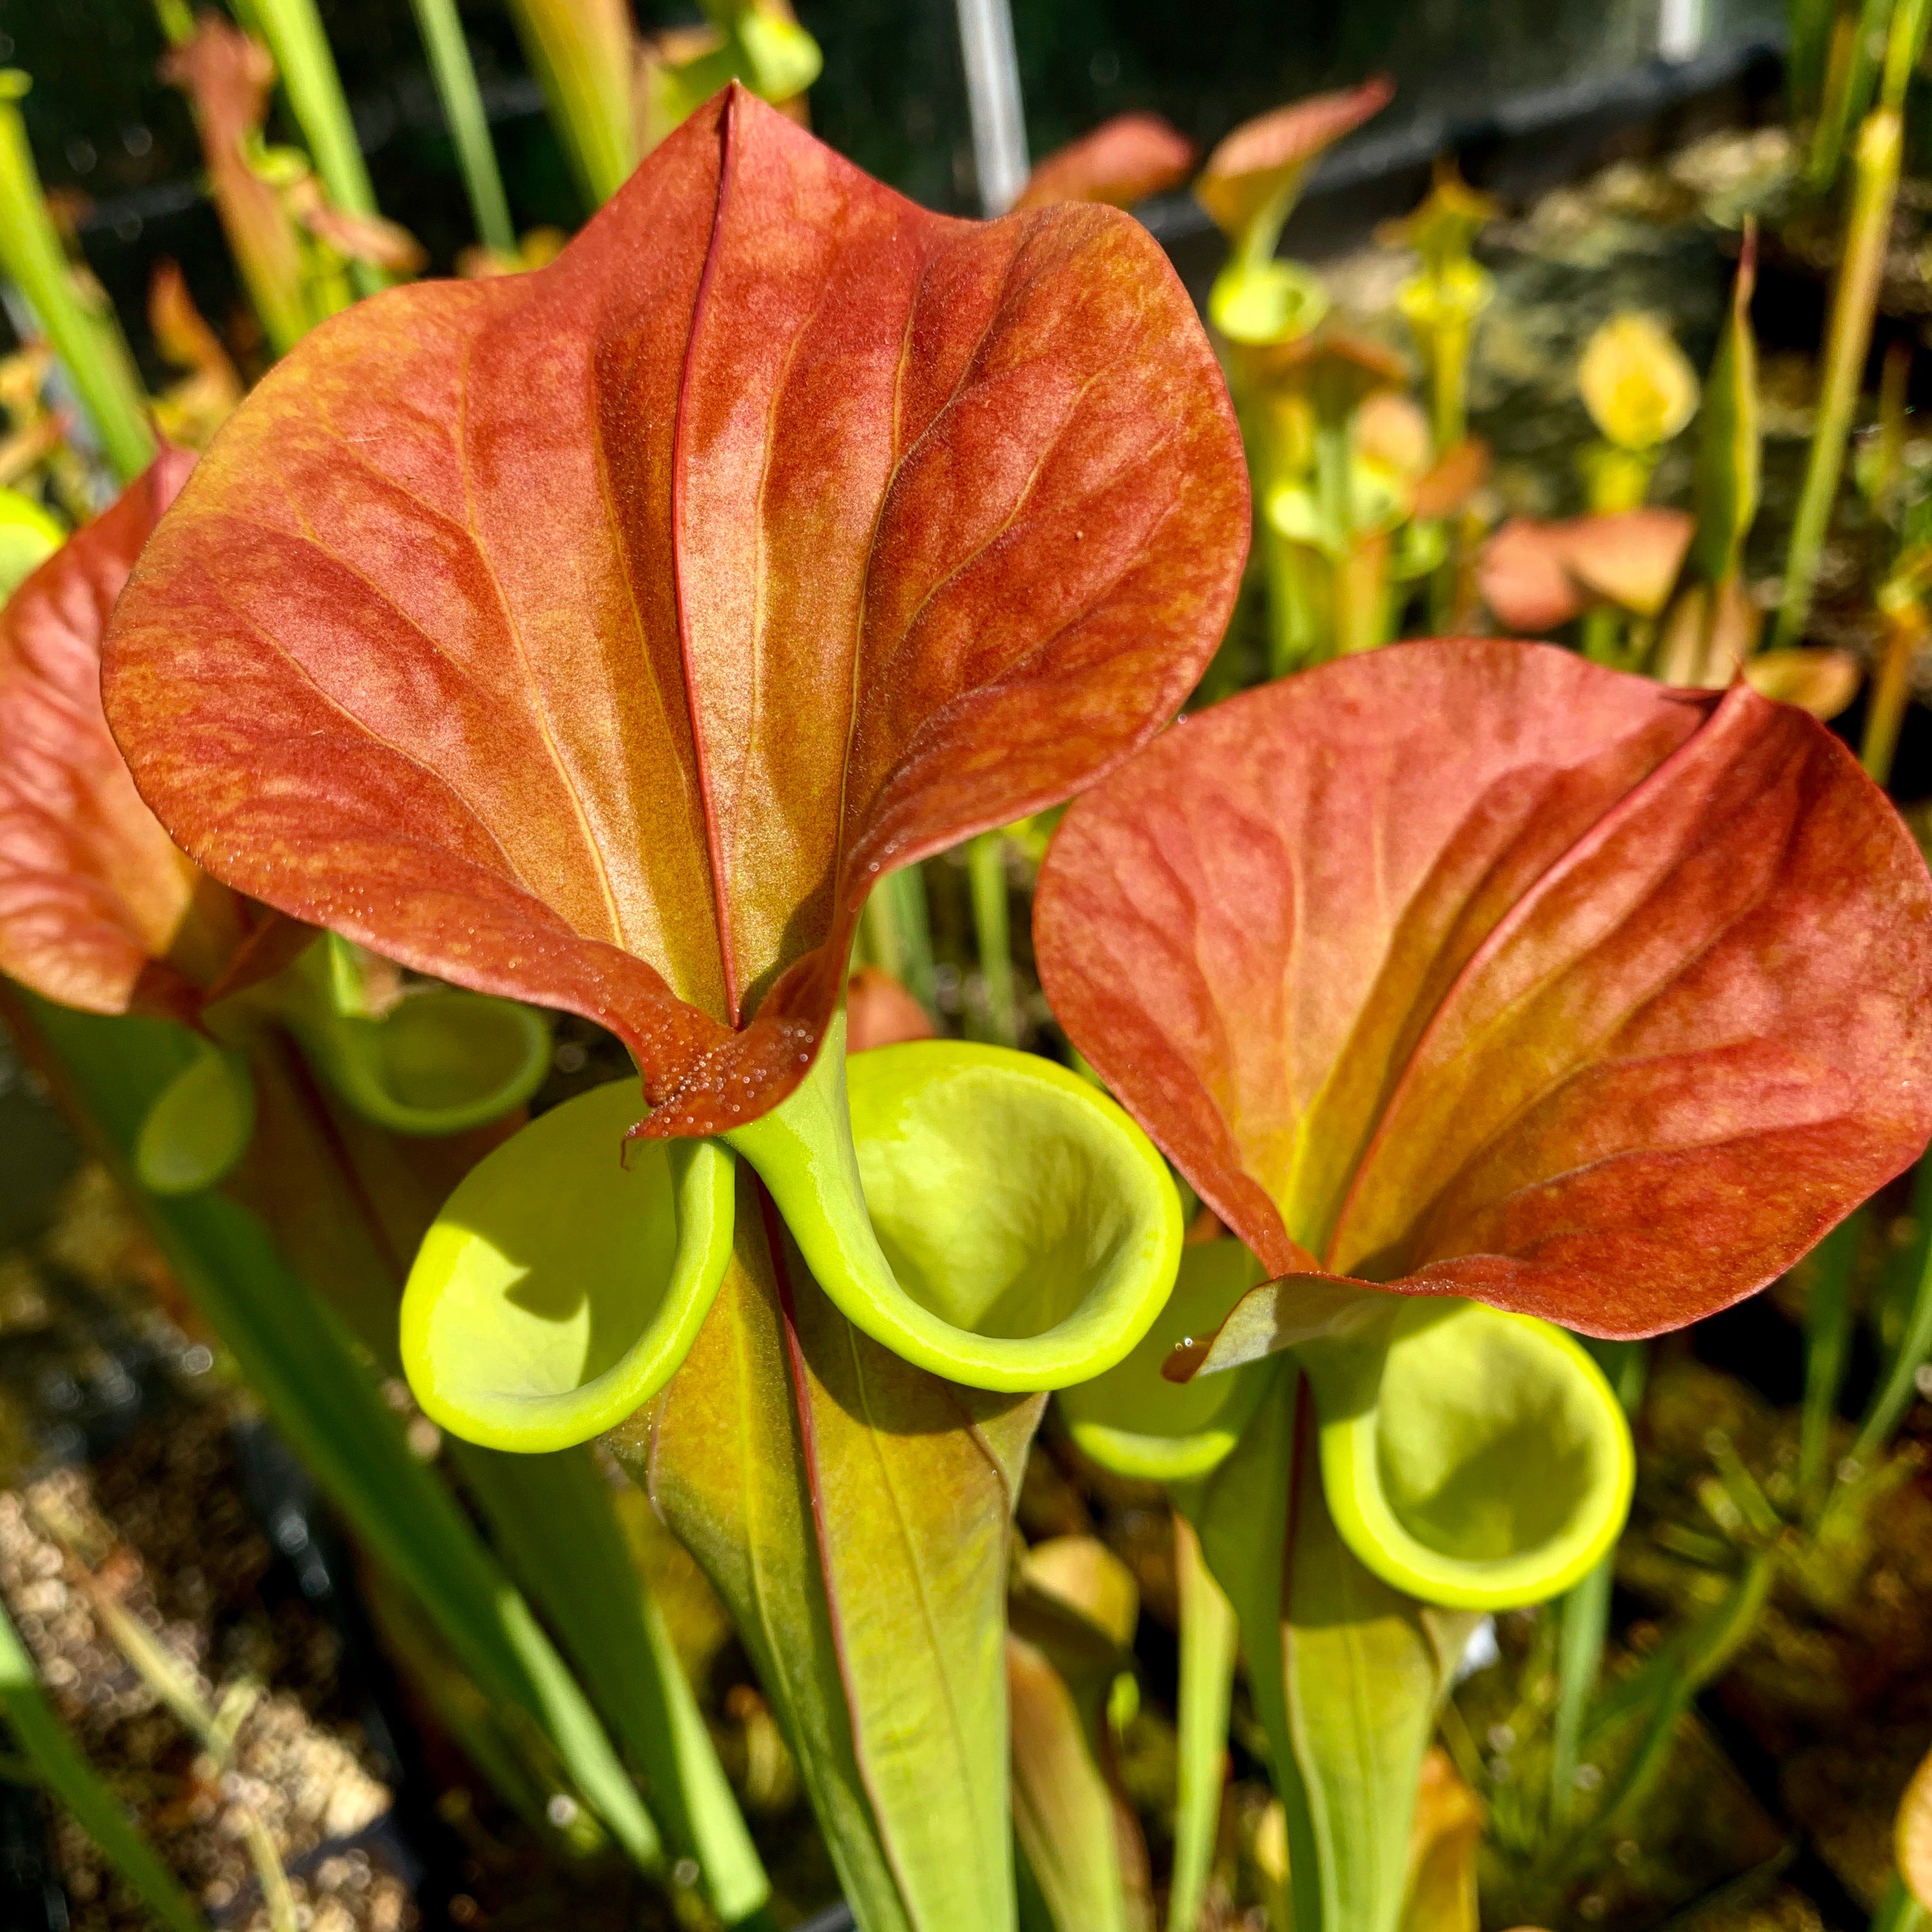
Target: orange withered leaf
1270, 155
1629, 558
599, 636
1470, 967
1537, 576
881, 1011
1122, 161
1524, 579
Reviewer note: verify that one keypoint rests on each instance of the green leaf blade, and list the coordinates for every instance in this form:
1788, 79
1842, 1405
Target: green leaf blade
54, 1755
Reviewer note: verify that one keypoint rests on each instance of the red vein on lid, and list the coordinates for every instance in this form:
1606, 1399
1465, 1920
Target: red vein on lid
726, 135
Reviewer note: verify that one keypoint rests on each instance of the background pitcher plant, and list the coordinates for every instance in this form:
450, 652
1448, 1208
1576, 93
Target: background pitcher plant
1532, 992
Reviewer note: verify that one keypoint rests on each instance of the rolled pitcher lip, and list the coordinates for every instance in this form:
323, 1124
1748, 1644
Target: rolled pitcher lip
338, 1045
804, 1172
1367, 1522
1092, 1339
1150, 1458
213, 1076
702, 1181
1100, 1414
1236, 280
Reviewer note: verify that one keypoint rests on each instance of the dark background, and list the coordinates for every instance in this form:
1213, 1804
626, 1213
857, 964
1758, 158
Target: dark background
892, 98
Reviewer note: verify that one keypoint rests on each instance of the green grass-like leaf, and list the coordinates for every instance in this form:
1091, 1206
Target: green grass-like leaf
58, 1763
300, 1360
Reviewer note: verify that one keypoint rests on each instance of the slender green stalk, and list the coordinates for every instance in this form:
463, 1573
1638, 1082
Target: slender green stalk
300, 1361
1208, 1638
1350, 628
1585, 1615
491, 1737
214, 1729
896, 931
912, 914
84, 333
1669, 1686
1285, 564
552, 1517
583, 53
1449, 383
1900, 1384
1602, 628
1364, 609
1836, 68
1586, 1612
468, 126
1291, 600
1875, 160
1848, 92
58, 1763
986, 872
1905, 628
293, 31
1811, 23
1828, 1334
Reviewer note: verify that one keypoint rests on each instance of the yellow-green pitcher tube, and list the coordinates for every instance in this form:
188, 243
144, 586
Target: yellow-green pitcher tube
984, 1213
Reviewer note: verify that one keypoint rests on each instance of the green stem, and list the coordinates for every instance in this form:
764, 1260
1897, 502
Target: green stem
1811, 23
214, 1729
54, 1756
1914, 1342
1255, 247
986, 869
1905, 628
1603, 634
1291, 600
1449, 382
1898, 1911
1449, 372
1848, 92
85, 336
1333, 517
1828, 1331
1208, 1634
1285, 564
583, 54
913, 915
1903, 45
1847, 341
293, 31
1670, 1687
1586, 1610
298, 1359
1363, 605
896, 931
551, 1515
469, 126
1586, 1625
